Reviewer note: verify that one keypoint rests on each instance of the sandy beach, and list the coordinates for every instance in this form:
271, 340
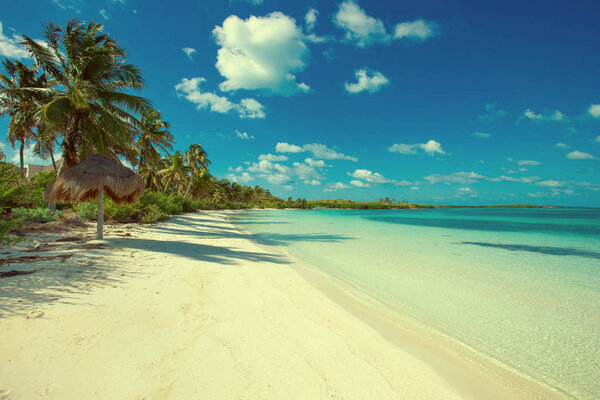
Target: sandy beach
192, 308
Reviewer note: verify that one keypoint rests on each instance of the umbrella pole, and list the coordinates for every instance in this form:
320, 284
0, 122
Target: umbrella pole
100, 224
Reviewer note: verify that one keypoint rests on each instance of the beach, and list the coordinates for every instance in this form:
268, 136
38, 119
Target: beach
192, 308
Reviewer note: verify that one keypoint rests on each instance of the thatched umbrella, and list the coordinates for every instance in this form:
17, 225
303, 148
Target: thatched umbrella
93, 177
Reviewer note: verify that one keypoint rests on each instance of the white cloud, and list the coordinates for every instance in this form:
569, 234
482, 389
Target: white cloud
554, 116
597, 139
365, 30
418, 29
311, 19
528, 162
266, 166
28, 156
261, 53
431, 147
336, 186
579, 155
253, 2
562, 145
375, 177
415, 188
244, 177
314, 182
315, 163
287, 148
305, 171
359, 27
272, 157
359, 184
481, 135
9, 47
190, 90
104, 14
466, 191
243, 135
462, 178
365, 82
594, 110
550, 183
189, 51
322, 151
317, 149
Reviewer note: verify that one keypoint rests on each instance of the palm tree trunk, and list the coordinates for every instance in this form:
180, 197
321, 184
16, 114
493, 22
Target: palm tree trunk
22, 149
100, 224
53, 161
189, 186
51, 204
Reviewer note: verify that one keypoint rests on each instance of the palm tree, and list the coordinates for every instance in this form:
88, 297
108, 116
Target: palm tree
174, 173
89, 103
153, 135
20, 92
197, 162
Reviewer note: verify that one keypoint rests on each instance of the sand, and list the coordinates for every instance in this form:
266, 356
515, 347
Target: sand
192, 309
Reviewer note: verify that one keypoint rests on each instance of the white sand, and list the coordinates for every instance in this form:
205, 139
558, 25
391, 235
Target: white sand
192, 309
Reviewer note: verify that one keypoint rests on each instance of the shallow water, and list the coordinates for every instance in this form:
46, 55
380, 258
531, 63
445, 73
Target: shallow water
521, 286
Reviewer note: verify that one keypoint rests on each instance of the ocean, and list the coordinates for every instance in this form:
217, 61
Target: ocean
520, 286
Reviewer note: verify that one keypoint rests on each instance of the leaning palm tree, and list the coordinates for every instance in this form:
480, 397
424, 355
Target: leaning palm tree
90, 100
152, 137
197, 163
21, 91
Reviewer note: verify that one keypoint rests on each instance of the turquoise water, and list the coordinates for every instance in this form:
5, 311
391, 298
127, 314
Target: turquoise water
520, 286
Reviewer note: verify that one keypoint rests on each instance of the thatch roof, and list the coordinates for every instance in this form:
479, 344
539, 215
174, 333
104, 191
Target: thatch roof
83, 181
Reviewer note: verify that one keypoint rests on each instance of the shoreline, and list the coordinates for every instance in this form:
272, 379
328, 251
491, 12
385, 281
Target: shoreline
479, 375
193, 307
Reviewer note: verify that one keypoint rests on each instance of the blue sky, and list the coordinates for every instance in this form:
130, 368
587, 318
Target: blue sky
453, 102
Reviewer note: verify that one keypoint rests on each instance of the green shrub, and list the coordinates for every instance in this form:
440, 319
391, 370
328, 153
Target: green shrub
170, 204
152, 213
87, 211
39, 214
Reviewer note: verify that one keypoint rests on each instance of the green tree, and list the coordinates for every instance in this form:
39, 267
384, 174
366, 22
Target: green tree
90, 104
152, 137
197, 162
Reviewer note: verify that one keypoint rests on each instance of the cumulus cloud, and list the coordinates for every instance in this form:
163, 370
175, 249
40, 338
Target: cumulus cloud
359, 184
336, 186
243, 135
190, 90
313, 182
553, 116
462, 178
550, 183
104, 14
189, 51
431, 147
364, 30
365, 82
28, 156
261, 53
528, 162
244, 177
272, 157
562, 145
315, 163
317, 149
418, 29
594, 110
481, 135
311, 19
374, 177
579, 155
9, 47
287, 148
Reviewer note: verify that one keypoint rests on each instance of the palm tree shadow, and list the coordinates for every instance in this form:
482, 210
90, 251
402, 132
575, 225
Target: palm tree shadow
221, 255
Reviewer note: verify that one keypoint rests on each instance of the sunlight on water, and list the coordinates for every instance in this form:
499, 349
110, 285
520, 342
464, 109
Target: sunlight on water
521, 286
